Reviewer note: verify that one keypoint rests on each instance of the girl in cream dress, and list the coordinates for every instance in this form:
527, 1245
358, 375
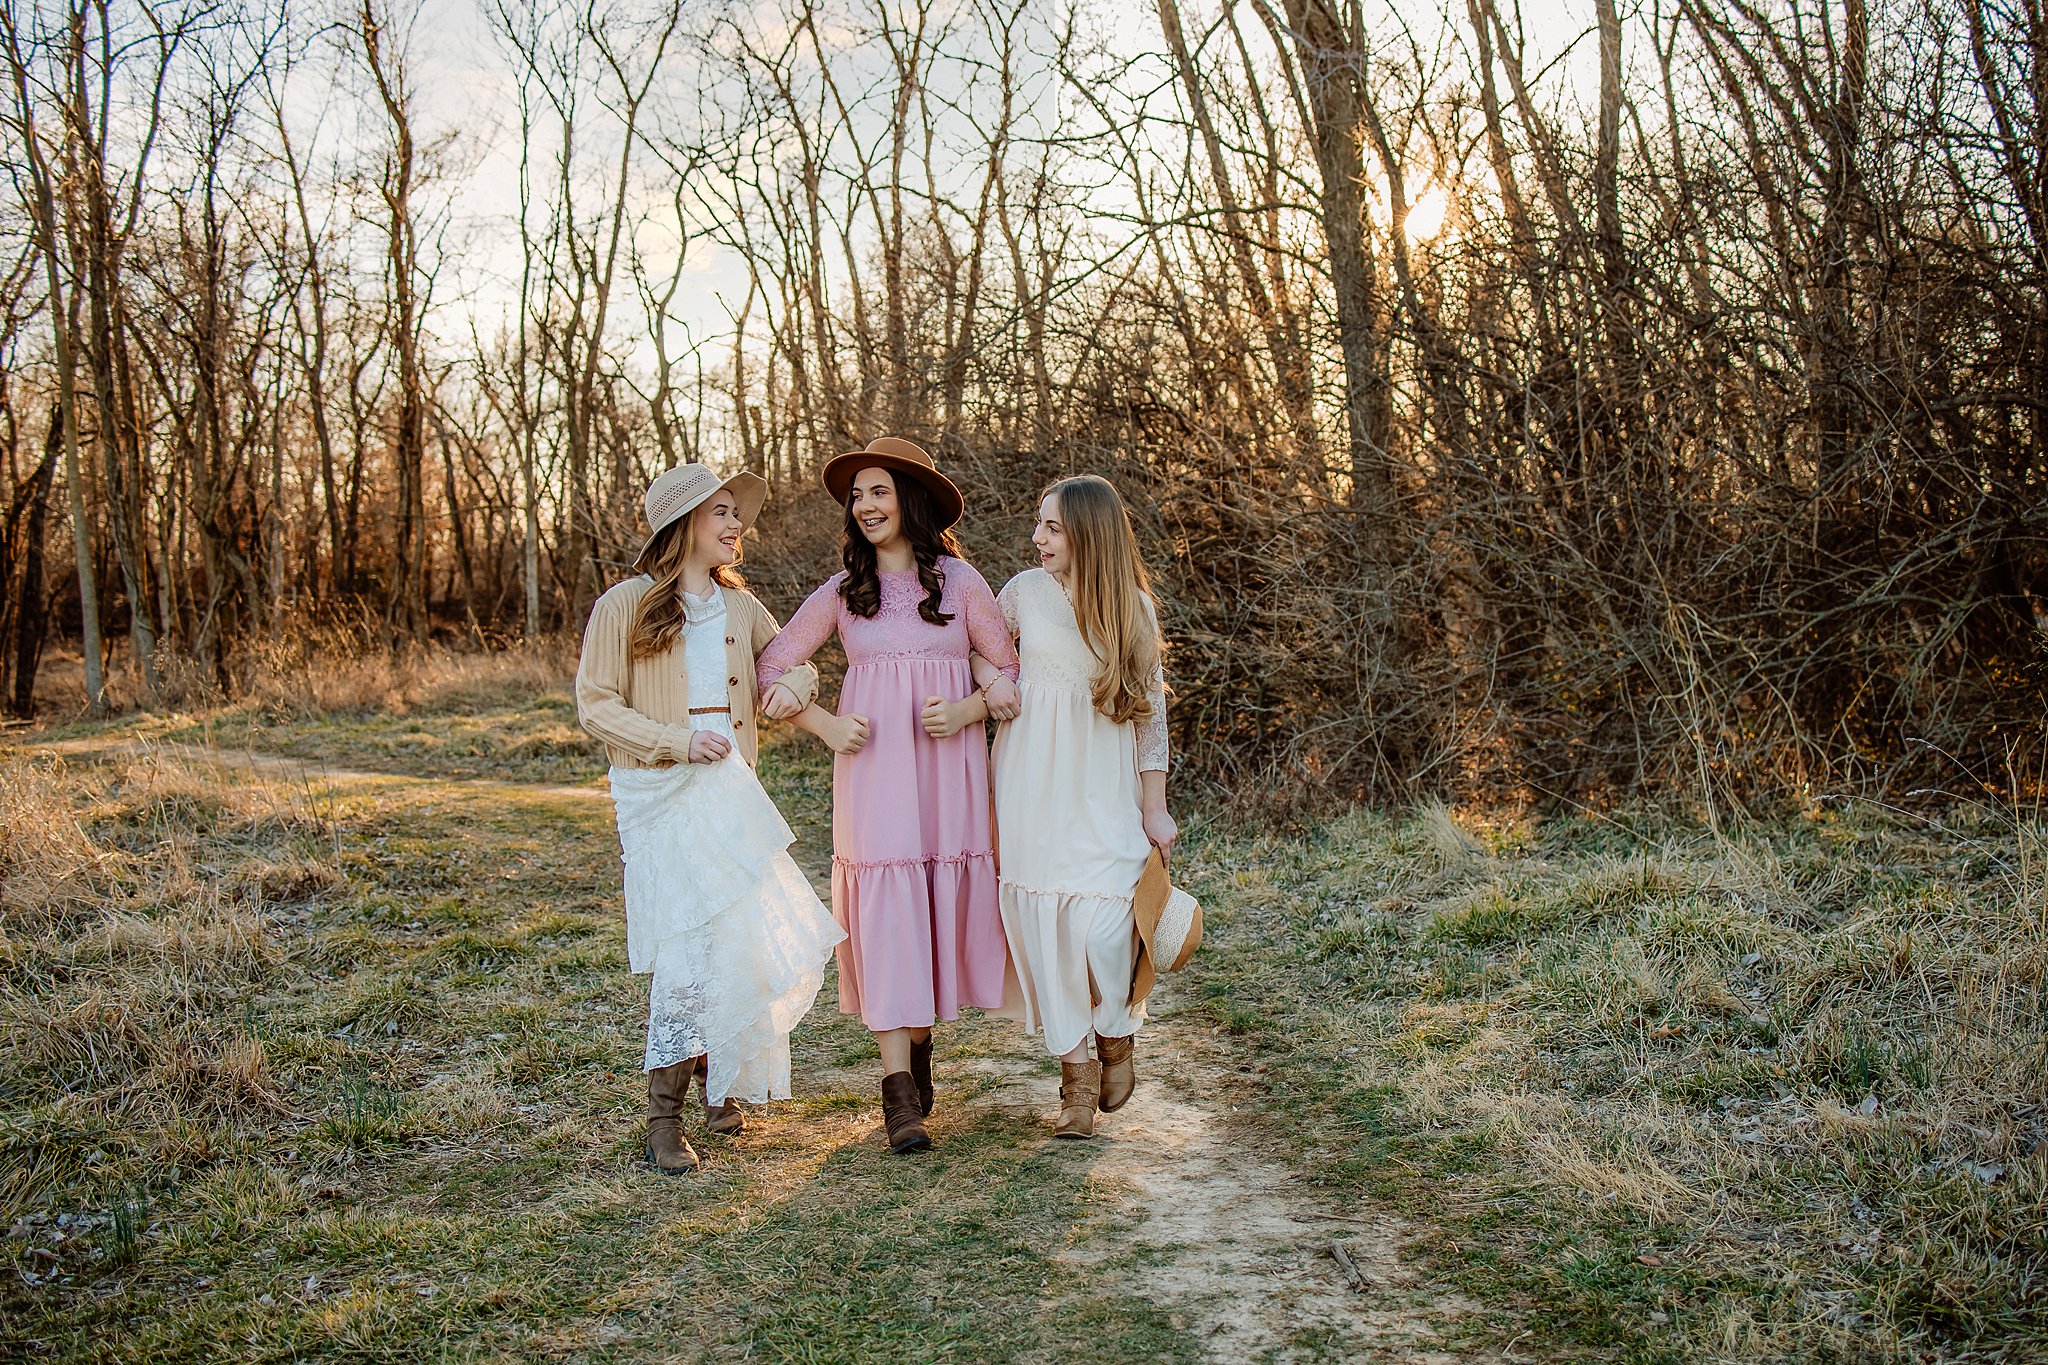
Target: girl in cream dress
1080, 789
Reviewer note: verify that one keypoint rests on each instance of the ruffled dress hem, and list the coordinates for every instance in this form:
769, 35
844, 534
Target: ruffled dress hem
723, 920
930, 910
1068, 934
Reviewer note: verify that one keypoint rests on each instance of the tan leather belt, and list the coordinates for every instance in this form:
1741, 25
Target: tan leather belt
711, 710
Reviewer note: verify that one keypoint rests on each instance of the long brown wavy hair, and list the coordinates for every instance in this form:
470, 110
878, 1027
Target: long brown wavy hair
862, 588
659, 621
1111, 595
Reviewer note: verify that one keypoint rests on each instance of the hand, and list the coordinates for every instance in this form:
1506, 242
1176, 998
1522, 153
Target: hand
944, 719
847, 735
1004, 701
779, 703
1162, 830
706, 747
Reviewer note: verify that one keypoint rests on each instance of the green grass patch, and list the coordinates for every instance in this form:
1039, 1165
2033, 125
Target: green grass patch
1776, 1095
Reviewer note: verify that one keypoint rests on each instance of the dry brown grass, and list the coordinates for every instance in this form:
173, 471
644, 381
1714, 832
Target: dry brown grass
127, 951
337, 699
339, 669
320, 669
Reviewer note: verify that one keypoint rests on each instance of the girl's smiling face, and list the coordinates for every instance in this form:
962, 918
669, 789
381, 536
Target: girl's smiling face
1050, 536
872, 501
715, 530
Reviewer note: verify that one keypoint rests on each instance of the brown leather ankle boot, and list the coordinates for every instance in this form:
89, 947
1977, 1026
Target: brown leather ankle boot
900, 1113
1119, 1073
921, 1073
1080, 1087
668, 1151
720, 1120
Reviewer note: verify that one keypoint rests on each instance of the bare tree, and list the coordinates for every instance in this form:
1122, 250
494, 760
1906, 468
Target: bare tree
384, 57
62, 309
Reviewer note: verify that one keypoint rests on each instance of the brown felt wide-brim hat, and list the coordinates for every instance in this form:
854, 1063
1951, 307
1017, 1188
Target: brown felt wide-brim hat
898, 456
1169, 927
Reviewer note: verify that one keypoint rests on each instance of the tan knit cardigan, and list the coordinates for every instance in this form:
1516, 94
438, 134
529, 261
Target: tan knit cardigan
640, 708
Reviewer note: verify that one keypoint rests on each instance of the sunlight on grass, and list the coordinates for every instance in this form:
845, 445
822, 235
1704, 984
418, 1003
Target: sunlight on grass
348, 1068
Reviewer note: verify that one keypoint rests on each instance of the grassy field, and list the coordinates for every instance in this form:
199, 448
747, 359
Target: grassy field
347, 1069
507, 716
1778, 1094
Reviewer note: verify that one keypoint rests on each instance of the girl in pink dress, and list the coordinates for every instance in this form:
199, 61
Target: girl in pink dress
913, 865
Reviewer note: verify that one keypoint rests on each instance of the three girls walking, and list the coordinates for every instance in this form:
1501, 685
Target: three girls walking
922, 923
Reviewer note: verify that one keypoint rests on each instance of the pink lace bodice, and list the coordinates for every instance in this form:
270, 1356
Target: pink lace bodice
896, 631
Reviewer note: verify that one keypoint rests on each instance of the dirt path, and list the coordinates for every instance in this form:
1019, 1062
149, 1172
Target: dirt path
1234, 1247
1248, 1257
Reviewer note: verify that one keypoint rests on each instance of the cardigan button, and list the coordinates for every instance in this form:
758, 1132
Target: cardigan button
732, 682
731, 640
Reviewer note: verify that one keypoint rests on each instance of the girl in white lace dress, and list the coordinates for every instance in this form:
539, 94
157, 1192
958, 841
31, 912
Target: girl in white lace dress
1080, 789
717, 913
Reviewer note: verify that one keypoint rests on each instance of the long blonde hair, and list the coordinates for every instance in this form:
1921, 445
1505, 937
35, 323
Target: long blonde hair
659, 620
1111, 595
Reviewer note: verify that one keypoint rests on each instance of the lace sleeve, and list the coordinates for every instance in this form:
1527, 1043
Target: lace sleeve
802, 680
1152, 729
804, 636
1152, 751
1007, 600
987, 629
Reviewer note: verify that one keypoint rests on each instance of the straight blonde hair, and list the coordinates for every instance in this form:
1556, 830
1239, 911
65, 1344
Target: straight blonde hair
659, 620
1111, 595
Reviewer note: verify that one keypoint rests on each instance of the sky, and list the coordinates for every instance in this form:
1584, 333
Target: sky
465, 87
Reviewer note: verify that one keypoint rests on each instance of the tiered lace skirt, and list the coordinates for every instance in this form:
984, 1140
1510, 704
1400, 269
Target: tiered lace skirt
722, 918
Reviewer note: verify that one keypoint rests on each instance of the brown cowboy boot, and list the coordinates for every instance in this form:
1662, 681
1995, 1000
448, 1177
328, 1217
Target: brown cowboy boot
1080, 1087
921, 1073
720, 1120
900, 1113
668, 1151
1119, 1075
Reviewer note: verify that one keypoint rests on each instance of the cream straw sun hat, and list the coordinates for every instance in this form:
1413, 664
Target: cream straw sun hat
1169, 927
677, 492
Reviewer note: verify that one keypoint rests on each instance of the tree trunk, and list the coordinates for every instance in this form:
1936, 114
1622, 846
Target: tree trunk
1331, 71
32, 609
63, 306
406, 602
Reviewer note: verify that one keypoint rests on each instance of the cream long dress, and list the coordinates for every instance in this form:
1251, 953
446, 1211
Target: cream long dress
1071, 836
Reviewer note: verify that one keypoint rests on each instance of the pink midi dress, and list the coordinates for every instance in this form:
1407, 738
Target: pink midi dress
913, 860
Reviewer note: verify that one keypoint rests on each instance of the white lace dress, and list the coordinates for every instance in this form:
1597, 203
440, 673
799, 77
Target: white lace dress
716, 910
1070, 835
